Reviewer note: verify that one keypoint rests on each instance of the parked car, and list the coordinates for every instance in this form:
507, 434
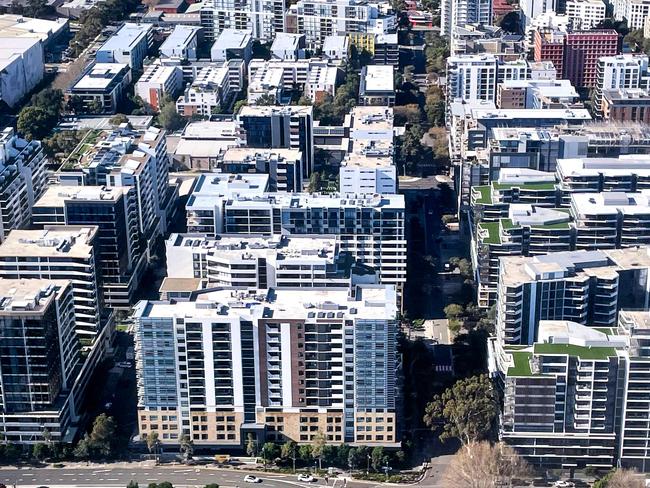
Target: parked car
563, 484
307, 478
249, 478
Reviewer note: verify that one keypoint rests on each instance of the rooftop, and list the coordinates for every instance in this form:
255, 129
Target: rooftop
28, 296
246, 154
377, 78
624, 165
371, 302
180, 38
286, 42
233, 39
100, 75
611, 203
57, 195
268, 110
127, 37
17, 26
69, 241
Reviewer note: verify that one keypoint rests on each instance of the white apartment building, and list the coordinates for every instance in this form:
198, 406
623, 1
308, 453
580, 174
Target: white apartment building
21, 68
233, 362
282, 165
622, 71
377, 85
60, 253
371, 227
369, 166
263, 18
533, 10
214, 87
460, 12
321, 81
261, 262
157, 82
513, 70
588, 287
129, 45
203, 142
635, 12
23, 180
288, 47
317, 19
181, 44
585, 14
471, 78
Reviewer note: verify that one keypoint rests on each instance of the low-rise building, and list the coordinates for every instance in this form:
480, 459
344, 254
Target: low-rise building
282, 165
288, 47
157, 82
129, 45
377, 85
232, 44
202, 143
101, 88
386, 49
537, 94
213, 88
626, 105
181, 44
336, 47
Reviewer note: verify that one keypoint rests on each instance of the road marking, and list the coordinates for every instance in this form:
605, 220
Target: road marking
112, 479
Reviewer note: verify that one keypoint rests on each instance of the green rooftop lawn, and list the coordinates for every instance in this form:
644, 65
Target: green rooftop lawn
492, 228
485, 194
508, 224
579, 351
557, 225
525, 186
522, 364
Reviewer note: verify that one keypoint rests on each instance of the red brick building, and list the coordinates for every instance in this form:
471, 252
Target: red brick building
575, 55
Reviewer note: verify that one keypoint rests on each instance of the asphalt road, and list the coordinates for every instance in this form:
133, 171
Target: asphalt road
179, 476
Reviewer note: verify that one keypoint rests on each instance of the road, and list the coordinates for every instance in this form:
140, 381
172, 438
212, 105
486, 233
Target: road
180, 476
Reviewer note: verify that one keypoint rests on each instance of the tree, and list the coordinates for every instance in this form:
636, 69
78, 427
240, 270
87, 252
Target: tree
102, 435
153, 442
118, 119
448, 219
132, 484
238, 105
352, 458
315, 182
453, 311
621, 478
304, 452
466, 410
317, 446
266, 99
251, 445
269, 452
211, 485
34, 123
40, 451
288, 451
378, 458
169, 118
82, 450
187, 446
482, 465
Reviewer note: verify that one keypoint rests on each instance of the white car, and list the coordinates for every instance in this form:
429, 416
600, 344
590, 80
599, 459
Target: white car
563, 484
249, 478
307, 478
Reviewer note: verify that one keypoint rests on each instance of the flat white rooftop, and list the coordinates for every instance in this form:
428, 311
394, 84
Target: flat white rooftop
100, 76
127, 37
378, 78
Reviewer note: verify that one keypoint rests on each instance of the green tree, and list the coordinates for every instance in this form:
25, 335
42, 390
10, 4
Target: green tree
40, 451
352, 458
169, 118
132, 484
118, 119
34, 123
211, 485
317, 447
238, 105
102, 435
453, 311
289, 451
269, 452
304, 452
378, 458
466, 410
187, 446
266, 99
153, 443
251, 445
621, 478
83, 450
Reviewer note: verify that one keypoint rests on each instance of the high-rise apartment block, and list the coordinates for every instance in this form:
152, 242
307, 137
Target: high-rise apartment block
22, 180
460, 12
262, 19
39, 360
121, 255
620, 72
234, 362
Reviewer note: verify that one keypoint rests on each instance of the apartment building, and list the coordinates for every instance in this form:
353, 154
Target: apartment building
181, 44
288, 127
588, 287
203, 142
537, 94
459, 12
626, 105
234, 362
100, 89
214, 87
634, 12
471, 78
129, 158
386, 49
625, 71
282, 165
263, 262
158, 82
60, 253
288, 47
122, 250
262, 19
549, 46
585, 14
318, 19
21, 68
23, 179
368, 166
232, 44
562, 395
40, 355
129, 45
